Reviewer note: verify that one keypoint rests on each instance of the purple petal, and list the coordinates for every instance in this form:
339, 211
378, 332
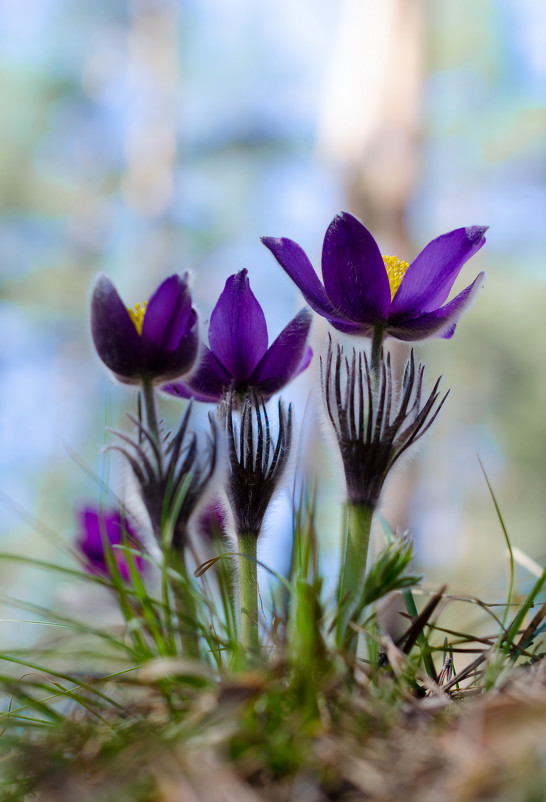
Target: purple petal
182, 390
293, 260
116, 339
286, 357
213, 521
90, 539
354, 274
362, 329
430, 276
168, 315
238, 331
206, 383
169, 331
305, 360
170, 365
441, 322
96, 526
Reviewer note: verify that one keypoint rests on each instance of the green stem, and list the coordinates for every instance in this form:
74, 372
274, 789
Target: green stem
377, 344
148, 397
248, 588
428, 662
353, 565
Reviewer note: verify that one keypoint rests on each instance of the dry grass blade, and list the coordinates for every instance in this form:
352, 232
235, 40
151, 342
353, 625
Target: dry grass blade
530, 631
409, 638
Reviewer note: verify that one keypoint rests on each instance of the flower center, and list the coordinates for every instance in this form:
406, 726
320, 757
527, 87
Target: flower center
395, 272
137, 315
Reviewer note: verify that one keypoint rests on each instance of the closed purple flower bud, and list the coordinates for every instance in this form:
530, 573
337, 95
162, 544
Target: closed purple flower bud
238, 356
374, 426
98, 527
157, 342
364, 291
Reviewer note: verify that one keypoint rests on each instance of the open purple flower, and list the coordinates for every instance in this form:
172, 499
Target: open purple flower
364, 291
155, 342
98, 527
238, 356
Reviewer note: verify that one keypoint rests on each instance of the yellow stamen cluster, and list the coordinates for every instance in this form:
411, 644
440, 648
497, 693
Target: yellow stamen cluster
137, 315
395, 272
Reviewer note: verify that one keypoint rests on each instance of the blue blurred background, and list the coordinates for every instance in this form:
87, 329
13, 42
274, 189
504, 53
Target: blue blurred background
149, 136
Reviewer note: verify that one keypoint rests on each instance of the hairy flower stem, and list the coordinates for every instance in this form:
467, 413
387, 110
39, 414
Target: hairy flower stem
353, 563
187, 609
148, 397
375, 366
248, 588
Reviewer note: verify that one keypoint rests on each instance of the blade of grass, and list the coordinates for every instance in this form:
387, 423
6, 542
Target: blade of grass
415, 633
508, 546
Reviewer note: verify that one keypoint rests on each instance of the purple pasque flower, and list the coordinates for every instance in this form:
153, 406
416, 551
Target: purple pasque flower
238, 356
364, 291
97, 527
155, 342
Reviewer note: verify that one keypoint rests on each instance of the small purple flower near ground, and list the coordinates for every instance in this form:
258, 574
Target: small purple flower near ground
364, 291
238, 356
156, 342
212, 523
96, 525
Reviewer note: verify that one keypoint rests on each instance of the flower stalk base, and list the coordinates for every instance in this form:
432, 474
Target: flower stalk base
353, 563
148, 397
248, 588
377, 345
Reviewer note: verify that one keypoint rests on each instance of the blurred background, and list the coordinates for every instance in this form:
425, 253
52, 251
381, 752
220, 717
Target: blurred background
147, 136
